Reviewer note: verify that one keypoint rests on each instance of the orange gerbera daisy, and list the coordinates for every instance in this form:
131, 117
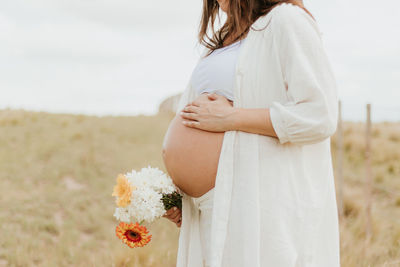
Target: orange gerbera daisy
134, 235
123, 191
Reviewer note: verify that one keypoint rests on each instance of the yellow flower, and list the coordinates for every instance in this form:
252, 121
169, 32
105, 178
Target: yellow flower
123, 190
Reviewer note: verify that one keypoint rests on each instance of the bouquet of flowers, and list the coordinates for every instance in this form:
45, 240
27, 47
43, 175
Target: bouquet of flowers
142, 197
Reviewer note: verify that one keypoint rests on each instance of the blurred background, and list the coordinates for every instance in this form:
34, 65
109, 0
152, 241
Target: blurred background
87, 88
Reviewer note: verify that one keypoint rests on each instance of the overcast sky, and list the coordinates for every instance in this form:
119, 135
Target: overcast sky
126, 56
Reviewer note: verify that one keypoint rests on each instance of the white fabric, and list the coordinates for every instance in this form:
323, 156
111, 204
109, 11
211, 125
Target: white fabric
204, 205
274, 198
197, 216
216, 72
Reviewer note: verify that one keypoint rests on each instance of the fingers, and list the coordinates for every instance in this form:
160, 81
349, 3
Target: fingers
176, 218
193, 124
179, 223
174, 214
189, 116
170, 211
195, 103
191, 108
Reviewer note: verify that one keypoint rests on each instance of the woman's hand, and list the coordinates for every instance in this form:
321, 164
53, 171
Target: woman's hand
174, 215
214, 114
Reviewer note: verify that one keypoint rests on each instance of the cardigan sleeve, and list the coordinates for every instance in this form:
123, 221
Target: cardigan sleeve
310, 114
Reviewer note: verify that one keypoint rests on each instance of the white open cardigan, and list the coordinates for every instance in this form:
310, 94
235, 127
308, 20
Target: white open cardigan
274, 198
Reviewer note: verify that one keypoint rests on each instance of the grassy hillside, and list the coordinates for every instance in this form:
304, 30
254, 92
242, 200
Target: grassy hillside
57, 172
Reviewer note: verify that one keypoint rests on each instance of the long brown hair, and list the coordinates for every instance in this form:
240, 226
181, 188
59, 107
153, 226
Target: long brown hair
241, 14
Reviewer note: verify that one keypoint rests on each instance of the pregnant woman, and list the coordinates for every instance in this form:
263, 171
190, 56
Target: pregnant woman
249, 147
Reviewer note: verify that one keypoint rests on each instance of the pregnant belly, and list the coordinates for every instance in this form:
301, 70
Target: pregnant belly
191, 157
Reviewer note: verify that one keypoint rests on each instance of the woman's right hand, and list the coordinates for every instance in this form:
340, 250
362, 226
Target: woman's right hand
174, 214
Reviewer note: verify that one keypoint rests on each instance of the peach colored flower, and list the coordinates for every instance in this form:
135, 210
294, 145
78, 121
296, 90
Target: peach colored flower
123, 191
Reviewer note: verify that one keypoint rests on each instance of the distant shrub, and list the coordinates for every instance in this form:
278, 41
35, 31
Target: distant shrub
391, 169
394, 137
350, 208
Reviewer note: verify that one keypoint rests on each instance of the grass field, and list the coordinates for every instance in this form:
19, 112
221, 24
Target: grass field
57, 172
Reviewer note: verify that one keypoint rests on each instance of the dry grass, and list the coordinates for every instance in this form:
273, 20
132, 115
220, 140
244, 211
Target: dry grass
384, 248
57, 173
56, 178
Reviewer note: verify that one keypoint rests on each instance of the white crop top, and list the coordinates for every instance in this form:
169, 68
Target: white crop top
216, 72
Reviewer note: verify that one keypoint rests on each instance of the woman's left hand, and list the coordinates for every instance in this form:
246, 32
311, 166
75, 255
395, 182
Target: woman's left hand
215, 114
